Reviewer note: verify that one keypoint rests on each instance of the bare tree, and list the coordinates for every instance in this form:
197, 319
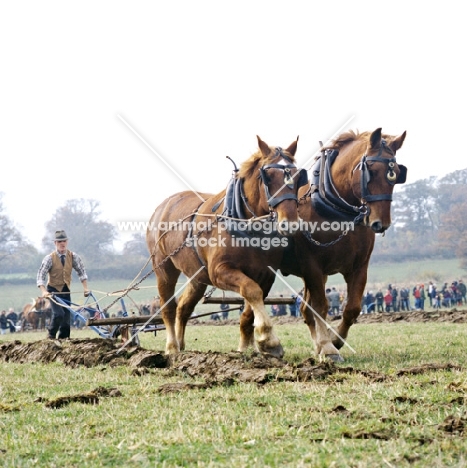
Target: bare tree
89, 236
10, 237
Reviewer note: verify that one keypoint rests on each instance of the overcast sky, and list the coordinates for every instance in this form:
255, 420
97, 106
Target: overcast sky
121, 101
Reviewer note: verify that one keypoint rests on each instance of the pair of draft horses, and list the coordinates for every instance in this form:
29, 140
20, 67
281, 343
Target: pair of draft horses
198, 234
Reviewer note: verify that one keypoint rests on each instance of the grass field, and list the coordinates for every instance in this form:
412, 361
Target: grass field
380, 275
350, 419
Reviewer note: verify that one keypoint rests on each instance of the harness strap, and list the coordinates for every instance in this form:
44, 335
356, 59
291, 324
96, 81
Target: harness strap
190, 235
274, 201
365, 176
325, 197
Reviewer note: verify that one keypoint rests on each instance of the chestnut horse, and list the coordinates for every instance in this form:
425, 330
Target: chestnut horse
36, 314
205, 237
352, 184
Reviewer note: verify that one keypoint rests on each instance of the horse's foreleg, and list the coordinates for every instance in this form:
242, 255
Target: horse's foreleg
314, 310
247, 329
186, 304
225, 277
355, 288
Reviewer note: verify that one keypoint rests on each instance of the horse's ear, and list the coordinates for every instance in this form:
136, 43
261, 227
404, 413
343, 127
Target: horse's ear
375, 139
397, 142
264, 148
292, 149
33, 302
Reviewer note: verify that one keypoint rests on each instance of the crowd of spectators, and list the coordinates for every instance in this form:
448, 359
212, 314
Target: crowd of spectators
8, 321
418, 297
394, 298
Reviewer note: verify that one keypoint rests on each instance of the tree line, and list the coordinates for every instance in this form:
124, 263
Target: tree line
91, 237
429, 221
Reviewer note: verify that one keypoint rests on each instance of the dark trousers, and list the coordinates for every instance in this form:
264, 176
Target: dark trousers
60, 315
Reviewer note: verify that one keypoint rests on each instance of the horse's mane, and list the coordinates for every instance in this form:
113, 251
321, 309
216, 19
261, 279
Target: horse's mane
351, 136
346, 138
248, 168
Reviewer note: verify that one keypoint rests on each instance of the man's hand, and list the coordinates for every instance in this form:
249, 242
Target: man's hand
46, 294
86, 293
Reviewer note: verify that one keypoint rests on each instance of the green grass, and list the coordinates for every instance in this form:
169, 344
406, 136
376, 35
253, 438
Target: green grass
320, 423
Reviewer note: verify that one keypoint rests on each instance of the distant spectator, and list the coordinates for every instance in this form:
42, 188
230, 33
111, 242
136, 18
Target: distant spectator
379, 296
430, 293
388, 300
404, 299
225, 311
328, 291
282, 308
298, 302
335, 301
370, 302
416, 295
293, 307
274, 310
446, 298
434, 296
3, 322
12, 317
463, 290
395, 294
453, 289
422, 297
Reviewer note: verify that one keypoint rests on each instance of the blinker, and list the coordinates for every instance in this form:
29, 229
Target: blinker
288, 179
391, 175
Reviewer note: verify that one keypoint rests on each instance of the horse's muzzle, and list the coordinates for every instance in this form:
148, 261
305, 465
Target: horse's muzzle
378, 227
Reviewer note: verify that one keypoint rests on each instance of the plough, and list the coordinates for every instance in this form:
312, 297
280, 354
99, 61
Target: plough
128, 326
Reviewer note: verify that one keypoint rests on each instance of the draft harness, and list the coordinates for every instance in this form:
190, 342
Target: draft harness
326, 199
235, 198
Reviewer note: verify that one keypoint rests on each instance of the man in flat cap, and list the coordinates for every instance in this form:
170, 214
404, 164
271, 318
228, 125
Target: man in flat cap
58, 266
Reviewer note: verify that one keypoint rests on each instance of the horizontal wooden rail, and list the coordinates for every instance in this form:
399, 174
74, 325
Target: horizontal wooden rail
142, 319
240, 300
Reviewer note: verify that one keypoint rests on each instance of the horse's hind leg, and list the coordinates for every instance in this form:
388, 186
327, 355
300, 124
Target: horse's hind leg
247, 329
186, 304
166, 281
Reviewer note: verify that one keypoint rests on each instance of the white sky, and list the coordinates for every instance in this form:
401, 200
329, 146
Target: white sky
198, 80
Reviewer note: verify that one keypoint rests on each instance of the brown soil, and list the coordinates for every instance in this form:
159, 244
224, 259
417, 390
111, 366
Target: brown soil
212, 368
445, 315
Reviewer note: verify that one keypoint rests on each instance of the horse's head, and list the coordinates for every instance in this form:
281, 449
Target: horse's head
374, 177
40, 304
271, 181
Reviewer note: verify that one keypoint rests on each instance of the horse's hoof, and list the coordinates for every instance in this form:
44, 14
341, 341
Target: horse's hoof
275, 351
335, 357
